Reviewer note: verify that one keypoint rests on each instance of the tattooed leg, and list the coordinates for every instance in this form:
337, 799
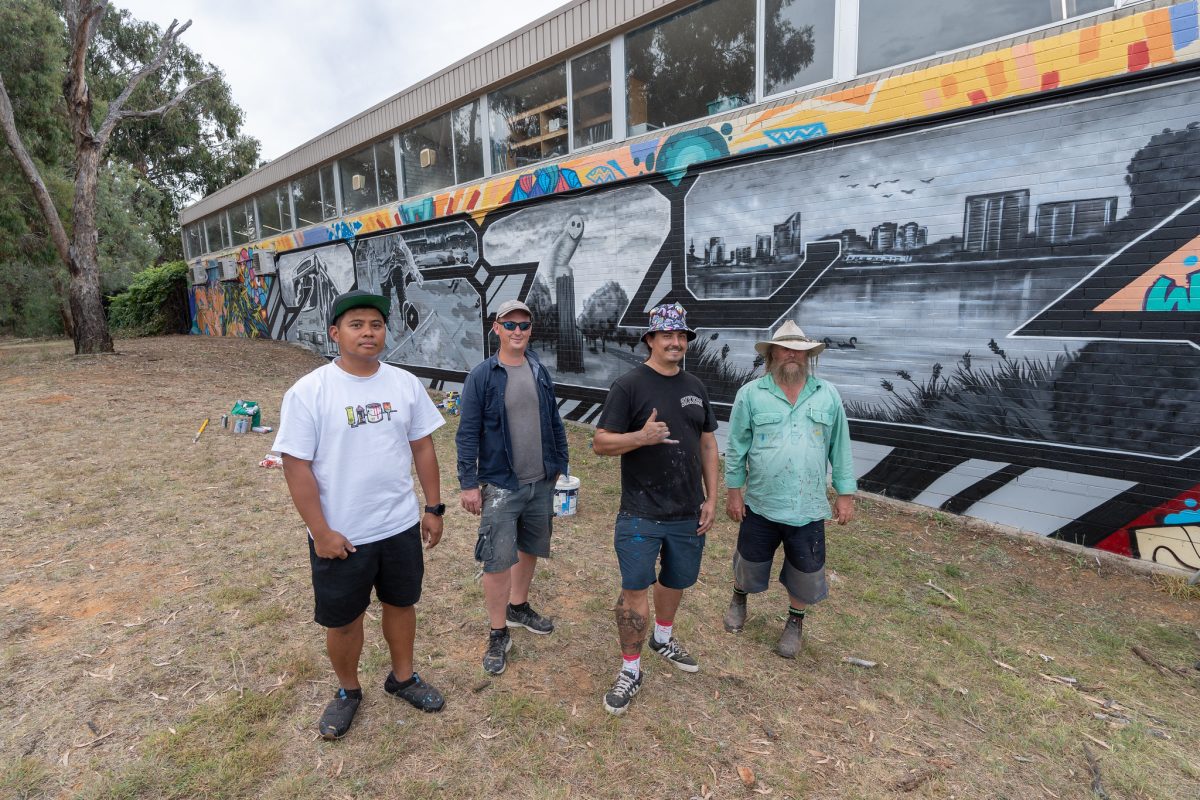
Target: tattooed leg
631, 612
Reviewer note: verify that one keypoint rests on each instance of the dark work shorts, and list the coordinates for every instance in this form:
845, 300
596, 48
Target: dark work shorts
512, 520
640, 541
803, 545
394, 567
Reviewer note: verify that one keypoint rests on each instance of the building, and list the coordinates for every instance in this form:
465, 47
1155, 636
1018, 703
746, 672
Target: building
580, 157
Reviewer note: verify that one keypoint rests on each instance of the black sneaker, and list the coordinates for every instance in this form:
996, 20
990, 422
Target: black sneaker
673, 651
622, 693
495, 659
418, 693
339, 715
528, 619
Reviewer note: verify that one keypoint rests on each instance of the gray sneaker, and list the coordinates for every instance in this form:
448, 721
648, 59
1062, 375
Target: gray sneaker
528, 619
622, 693
673, 651
496, 658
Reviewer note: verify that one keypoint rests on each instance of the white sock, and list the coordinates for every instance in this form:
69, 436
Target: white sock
662, 633
632, 665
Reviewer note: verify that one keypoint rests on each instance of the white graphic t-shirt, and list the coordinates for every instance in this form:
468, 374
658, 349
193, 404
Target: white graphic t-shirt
356, 432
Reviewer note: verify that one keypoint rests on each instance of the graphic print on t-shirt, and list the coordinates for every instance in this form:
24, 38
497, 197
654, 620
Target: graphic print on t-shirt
371, 412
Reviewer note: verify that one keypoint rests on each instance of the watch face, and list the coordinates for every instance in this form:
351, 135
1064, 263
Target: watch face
439, 509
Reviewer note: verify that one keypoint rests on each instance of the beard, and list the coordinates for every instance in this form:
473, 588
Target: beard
789, 372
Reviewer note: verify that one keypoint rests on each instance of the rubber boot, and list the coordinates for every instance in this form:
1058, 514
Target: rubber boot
789, 640
735, 617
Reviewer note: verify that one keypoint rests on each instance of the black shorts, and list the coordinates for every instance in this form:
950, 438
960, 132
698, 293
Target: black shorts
803, 545
394, 566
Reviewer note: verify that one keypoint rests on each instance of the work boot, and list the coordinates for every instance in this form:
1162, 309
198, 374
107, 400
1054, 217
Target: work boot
789, 640
735, 617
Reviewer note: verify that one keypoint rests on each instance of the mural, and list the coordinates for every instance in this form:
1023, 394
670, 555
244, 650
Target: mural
1010, 300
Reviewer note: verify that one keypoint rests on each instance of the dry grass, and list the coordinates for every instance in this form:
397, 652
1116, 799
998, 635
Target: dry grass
158, 642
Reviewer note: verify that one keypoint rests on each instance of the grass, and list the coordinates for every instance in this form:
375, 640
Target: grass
156, 612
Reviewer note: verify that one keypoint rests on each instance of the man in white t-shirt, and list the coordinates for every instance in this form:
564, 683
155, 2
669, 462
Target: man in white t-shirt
351, 433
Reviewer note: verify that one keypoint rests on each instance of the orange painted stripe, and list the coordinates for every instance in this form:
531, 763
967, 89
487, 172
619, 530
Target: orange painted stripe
949, 86
997, 81
858, 95
1158, 32
1089, 43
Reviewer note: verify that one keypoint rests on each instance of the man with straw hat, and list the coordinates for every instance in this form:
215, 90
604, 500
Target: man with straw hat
785, 430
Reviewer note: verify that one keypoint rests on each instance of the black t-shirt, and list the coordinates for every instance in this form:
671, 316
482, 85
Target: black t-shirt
661, 481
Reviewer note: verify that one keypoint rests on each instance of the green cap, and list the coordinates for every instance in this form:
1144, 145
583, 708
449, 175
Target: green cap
357, 298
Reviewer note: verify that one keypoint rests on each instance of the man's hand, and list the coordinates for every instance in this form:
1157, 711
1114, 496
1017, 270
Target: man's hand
431, 529
331, 544
843, 509
735, 505
655, 432
471, 500
708, 514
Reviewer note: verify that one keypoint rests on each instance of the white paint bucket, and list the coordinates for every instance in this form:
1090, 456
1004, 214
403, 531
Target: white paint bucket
566, 496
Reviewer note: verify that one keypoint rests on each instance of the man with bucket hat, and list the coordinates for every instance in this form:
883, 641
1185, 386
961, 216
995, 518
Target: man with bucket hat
658, 419
785, 430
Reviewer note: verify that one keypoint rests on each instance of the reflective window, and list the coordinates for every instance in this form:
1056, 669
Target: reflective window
216, 231
193, 240
591, 98
468, 142
529, 119
313, 197
799, 43
690, 65
428, 156
359, 188
243, 223
385, 170
893, 32
274, 212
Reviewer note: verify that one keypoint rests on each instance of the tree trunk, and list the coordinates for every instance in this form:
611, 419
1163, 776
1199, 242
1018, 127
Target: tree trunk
87, 307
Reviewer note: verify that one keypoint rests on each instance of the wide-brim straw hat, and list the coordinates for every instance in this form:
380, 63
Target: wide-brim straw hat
790, 336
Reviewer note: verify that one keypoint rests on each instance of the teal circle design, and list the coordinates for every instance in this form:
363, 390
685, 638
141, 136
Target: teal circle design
686, 148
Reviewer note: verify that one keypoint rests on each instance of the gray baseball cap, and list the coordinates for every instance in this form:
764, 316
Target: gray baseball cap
509, 306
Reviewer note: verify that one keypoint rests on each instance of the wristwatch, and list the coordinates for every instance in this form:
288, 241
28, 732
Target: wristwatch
438, 510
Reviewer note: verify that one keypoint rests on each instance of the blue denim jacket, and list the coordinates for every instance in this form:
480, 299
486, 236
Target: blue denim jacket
484, 447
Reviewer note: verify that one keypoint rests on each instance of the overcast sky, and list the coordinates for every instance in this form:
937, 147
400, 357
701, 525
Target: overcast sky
299, 67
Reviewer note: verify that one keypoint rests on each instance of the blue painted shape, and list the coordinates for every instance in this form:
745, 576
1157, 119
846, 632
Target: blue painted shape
1184, 517
601, 174
1183, 24
1166, 295
340, 230
419, 211
755, 148
613, 163
685, 148
643, 150
796, 133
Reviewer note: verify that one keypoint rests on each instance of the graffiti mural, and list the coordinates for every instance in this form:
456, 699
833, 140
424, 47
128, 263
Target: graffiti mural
1010, 299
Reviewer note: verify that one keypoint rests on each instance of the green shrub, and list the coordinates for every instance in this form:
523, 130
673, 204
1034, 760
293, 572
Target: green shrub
155, 302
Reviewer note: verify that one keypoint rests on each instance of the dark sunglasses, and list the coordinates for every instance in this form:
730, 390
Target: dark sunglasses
509, 325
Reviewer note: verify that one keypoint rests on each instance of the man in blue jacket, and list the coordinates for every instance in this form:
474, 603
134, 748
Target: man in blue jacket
511, 449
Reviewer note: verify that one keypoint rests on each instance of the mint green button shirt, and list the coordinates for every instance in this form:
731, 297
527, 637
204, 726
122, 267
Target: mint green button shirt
787, 449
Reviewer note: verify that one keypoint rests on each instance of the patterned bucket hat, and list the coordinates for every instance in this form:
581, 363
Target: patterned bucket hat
669, 317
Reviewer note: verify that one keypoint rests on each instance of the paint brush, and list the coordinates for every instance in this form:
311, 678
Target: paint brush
203, 425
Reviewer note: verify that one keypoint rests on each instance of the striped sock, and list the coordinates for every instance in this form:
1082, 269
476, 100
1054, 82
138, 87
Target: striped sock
796, 612
632, 664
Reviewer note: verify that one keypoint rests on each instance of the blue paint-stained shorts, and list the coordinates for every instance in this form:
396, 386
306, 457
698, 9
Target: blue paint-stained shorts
639, 542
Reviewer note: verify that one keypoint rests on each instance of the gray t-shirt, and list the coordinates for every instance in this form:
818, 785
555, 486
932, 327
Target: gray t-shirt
524, 423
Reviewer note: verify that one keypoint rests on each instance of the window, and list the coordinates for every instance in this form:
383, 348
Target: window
313, 197
529, 120
468, 142
193, 240
428, 156
274, 212
243, 223
359, 188
591, 98
216, 231
799, 43
385, 169
690, 65
894, 32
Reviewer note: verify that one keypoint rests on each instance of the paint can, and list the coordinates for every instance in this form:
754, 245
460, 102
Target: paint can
225, 421
241, 424
566, 496
451, 403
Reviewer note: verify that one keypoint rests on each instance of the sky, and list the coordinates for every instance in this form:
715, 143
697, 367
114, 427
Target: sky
299, 67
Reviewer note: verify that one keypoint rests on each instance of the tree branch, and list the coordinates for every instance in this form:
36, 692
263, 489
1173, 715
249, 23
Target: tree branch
41, 194
116, 110
165, 107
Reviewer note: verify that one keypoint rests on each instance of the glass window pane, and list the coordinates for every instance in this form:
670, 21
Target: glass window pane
213, 230
591, 98
357, 173
306, 196
274, 216
385, 167
328, 195
799, 43
193, 240
241, 218
529, 119
468, 143
428, 159
893, 32
690, 65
